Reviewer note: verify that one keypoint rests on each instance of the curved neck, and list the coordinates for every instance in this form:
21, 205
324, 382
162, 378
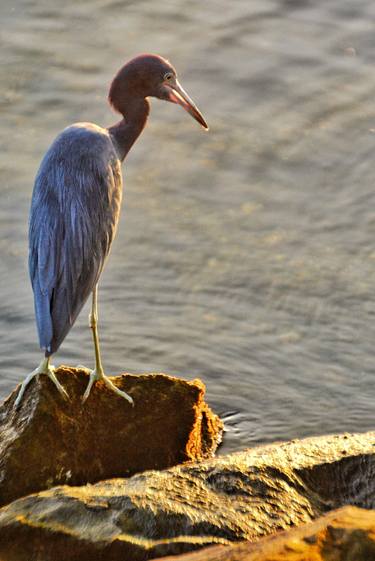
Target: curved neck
135, 112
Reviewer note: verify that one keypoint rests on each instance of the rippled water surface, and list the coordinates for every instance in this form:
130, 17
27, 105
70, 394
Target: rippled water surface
245, 256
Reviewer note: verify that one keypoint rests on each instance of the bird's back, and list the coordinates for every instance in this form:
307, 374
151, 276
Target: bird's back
73, 219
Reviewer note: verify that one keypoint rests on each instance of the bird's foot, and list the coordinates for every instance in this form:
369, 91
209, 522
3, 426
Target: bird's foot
98, 375
43, 368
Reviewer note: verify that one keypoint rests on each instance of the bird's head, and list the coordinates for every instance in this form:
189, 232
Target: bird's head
151, 75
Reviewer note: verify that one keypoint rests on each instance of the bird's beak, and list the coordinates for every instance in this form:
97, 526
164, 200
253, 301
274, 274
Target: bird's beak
176, 94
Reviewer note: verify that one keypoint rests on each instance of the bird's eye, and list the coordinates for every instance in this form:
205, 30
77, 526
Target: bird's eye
168, 76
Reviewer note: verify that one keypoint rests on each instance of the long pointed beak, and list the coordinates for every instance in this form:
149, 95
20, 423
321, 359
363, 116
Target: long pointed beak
176, 94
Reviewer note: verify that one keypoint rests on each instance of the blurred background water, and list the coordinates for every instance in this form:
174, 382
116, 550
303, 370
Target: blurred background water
245, 256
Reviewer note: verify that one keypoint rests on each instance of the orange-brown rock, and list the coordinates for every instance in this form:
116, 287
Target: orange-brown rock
242, 496
49, 441
347, 534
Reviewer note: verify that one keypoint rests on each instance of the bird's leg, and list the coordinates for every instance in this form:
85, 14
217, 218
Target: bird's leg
93, 319
98, 373
43, 368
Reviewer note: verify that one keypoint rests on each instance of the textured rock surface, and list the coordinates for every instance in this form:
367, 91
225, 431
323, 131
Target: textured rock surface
242, 496
48, 441
347, 534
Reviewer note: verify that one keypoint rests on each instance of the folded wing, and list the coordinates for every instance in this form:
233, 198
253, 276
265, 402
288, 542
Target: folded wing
73, 220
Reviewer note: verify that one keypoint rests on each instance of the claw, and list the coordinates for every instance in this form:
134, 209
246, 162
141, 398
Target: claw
93, 378
100, 376
43, 368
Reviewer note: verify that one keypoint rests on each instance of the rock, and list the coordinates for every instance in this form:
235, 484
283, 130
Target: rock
48, 441
242, 496
347, 534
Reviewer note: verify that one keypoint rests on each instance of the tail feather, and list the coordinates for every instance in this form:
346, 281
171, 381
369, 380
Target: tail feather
43, 316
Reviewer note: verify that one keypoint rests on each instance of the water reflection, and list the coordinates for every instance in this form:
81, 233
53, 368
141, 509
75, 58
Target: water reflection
244, 256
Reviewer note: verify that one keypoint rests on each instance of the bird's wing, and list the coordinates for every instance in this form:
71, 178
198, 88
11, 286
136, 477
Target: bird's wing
74, 215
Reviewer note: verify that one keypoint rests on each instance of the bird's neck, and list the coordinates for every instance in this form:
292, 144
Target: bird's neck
124, 133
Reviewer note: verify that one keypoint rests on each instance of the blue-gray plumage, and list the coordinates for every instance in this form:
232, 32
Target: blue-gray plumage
76, 204
74, 215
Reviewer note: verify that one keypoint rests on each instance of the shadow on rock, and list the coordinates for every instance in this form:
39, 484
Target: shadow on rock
347, 534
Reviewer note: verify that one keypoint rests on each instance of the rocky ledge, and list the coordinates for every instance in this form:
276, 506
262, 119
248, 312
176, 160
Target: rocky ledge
347, 534
48, 441
242, 496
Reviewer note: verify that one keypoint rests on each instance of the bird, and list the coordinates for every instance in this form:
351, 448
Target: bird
75, 210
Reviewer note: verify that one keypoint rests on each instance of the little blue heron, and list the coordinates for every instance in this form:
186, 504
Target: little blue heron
75, 209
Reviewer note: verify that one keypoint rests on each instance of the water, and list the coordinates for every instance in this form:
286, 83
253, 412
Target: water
245, 256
